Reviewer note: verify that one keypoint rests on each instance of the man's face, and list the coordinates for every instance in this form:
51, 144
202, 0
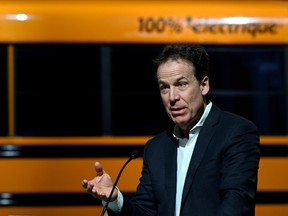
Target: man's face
181, 93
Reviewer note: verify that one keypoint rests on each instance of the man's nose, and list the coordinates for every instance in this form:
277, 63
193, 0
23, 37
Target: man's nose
173, 94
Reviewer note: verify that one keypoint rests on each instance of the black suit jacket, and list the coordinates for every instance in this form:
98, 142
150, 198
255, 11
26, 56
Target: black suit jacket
221, 178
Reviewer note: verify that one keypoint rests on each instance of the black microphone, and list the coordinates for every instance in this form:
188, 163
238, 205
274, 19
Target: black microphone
134, 154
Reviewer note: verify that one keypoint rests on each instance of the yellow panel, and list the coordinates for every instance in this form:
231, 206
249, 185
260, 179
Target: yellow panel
108, 140
261, 210
102, 140
274, 140
51, 211
273, 175
11, 90
144, 21
62, 175
66, 175
272, 210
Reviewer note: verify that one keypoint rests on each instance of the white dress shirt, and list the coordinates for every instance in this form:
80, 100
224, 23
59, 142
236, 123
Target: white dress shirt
184, 155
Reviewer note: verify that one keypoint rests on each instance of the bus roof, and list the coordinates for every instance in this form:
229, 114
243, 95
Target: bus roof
205, 22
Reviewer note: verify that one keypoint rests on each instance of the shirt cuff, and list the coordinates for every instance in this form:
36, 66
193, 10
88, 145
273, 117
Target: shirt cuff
116, 205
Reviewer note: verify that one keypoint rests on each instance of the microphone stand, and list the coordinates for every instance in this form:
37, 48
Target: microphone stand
133, 155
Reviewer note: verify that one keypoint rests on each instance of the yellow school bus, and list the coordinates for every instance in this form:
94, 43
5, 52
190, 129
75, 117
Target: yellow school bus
67, 68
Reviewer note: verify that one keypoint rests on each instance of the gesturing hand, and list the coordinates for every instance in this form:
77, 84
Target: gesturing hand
101, 185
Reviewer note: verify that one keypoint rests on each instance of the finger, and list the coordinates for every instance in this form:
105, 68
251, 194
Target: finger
89, 187
99, 169
84, 183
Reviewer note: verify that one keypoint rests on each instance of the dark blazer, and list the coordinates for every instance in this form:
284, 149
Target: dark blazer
221, 178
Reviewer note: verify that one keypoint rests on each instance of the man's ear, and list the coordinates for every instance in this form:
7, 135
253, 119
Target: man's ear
205, 87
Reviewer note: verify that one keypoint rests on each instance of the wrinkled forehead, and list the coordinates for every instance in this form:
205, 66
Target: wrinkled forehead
175, 67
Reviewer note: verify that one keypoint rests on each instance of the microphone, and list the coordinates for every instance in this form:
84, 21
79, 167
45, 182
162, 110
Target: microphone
134, 154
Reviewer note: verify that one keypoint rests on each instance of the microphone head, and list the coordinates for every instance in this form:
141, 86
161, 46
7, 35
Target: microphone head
135, 153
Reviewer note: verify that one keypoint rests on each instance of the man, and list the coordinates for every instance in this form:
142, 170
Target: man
206, 165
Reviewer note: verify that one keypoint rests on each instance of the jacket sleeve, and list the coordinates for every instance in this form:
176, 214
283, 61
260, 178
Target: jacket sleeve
240, 161
142, 203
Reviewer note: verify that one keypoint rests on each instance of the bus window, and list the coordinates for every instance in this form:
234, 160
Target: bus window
3, 91
57, 90
60, 89
250, 81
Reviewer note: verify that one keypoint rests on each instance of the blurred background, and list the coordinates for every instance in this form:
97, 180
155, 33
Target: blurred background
77, 85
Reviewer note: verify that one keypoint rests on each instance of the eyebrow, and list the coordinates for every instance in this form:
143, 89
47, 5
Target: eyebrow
177, 80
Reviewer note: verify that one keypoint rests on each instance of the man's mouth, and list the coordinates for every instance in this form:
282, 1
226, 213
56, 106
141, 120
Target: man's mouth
177, 111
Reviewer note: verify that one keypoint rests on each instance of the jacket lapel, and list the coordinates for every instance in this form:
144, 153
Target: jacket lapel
170, 173
202, 142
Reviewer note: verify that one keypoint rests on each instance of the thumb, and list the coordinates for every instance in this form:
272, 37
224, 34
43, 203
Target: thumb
99, 169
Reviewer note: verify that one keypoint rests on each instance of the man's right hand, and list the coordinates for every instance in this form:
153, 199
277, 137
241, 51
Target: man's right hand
101, 185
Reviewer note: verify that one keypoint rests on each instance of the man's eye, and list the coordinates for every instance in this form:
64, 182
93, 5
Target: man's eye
181, 84
164, 89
